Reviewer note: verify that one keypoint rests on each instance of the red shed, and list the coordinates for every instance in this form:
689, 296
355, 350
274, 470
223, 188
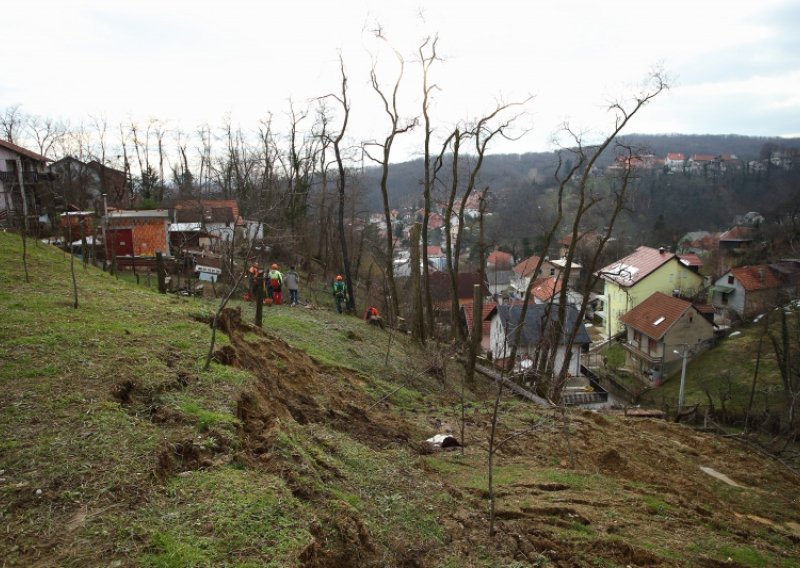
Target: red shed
137, 233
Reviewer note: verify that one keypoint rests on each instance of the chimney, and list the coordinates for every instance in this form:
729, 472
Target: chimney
662, 250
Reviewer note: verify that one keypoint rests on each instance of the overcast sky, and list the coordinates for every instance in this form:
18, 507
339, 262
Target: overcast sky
735, 65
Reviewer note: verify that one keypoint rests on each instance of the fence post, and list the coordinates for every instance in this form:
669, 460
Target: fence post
162, 273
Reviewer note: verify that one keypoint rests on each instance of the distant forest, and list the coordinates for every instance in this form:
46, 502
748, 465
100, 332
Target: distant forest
663, 208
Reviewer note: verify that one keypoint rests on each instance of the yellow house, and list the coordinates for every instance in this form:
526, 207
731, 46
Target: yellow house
633, 279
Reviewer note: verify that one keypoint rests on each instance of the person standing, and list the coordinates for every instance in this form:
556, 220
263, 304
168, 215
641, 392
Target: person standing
339, 293
292, 281
275, 283
254, 281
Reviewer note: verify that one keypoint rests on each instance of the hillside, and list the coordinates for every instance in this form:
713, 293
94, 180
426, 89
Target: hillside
303, 445
513, 172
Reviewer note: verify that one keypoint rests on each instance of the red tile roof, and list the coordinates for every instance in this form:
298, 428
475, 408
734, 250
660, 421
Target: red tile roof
756, 277
527, 266
545, 288
634, 267
486, 323
500, 258
702, 158
435, 251
23, 151
737, 234
675, 156
220, 210
690, 259
656, 314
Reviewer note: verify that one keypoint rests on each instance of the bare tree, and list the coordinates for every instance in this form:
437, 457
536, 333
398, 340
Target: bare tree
341, 185
482, 133
579, 181
427, 57
786, 345
395, 128
12, 121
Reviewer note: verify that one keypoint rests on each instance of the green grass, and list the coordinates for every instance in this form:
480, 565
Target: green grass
265, 495
727, 370
192, 526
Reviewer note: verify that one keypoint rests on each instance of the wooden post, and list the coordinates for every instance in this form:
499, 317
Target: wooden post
477, 331
259, 299
162, 273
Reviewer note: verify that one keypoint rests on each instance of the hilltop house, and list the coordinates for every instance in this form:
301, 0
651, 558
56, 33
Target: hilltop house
657, 328
633, 279
747, 290
505, 318
674, 162
24, 186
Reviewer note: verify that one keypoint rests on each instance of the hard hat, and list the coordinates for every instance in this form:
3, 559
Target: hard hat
274, 267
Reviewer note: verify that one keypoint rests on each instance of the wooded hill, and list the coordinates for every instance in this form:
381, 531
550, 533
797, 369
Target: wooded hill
510, 172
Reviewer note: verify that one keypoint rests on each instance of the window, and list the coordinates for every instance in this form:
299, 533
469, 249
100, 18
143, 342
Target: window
552, 272
652, 345
730, 279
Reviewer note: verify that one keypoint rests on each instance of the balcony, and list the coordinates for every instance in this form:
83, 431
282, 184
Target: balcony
27, 177
635, 348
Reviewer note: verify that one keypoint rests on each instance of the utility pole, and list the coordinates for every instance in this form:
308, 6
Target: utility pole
683, 378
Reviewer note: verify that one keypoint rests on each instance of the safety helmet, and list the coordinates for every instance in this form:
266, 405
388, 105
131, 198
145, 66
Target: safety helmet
339, 277
274, 267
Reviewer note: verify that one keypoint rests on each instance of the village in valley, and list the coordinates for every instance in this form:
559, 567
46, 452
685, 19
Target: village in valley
332, 285
632, 323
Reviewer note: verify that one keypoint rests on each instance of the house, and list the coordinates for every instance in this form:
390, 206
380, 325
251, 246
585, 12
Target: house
701, 243
659, 327
588, 241
736, 240
692, 261
499, 260
219, 217
25, 192
136, 233
468, 313
77, 223
523, 272
747, 291
499, 281
85, 184
631, 280
437, 259
505, 318
442, 293
675, 162
701, 163
189, 236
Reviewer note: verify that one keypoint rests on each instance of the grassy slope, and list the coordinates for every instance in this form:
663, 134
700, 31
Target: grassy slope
117, 449
726, 371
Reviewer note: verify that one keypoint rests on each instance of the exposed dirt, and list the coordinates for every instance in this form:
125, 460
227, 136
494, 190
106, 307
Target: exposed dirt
652, 468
